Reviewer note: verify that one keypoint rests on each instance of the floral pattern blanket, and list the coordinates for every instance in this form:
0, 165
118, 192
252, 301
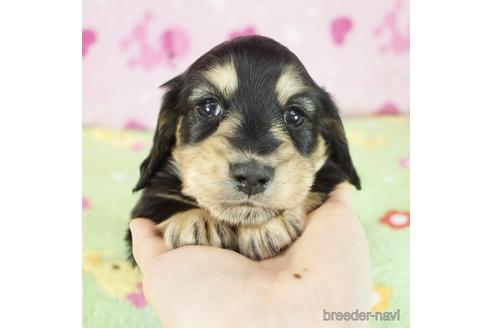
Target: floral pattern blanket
112, 290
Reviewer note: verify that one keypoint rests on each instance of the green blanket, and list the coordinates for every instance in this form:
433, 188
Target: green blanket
112, 294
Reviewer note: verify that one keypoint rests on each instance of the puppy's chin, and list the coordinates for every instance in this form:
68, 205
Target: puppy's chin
230, 206
236, 208
242, 213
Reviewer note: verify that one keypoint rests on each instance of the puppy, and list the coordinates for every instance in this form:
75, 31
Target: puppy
245, 146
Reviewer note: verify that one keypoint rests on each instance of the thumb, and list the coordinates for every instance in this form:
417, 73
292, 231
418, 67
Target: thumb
341, 194
339, 203
146, 242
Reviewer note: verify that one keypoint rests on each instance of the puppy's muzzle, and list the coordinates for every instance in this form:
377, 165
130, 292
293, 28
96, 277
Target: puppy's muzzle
251, 177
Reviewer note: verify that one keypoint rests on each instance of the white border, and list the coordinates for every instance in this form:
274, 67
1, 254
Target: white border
40, 149
451, 92
40, 142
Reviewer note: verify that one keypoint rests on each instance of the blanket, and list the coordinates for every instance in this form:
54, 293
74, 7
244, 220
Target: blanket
112, 290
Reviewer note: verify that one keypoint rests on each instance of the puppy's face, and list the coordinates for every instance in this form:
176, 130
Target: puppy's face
248, 130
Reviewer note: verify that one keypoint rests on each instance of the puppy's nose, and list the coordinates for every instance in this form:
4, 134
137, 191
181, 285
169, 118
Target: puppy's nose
251, 177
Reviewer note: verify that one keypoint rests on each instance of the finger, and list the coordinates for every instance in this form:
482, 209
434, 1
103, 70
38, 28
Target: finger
339, 201
341, 194
146, 241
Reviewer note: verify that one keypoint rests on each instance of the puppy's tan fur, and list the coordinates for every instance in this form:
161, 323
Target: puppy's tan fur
223, 77
246, 145
260, 228
288, 85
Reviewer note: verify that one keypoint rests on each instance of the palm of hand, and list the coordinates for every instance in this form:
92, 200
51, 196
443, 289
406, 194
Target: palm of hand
326, 268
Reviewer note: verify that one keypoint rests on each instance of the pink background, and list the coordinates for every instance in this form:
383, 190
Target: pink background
358, 50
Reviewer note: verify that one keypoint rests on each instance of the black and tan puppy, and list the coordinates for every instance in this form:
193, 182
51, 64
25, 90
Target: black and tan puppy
246, 145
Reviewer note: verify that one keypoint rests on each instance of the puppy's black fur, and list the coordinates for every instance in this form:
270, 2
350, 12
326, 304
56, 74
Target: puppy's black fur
255, 102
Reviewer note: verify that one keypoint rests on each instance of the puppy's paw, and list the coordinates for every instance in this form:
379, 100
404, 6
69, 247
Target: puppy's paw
221, 235
269, 239
195, 227
184, 228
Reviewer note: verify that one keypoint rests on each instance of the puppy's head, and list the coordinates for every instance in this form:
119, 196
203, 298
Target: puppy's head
248, 130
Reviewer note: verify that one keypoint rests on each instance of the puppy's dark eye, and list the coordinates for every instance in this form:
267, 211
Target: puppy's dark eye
209, 108
293, 116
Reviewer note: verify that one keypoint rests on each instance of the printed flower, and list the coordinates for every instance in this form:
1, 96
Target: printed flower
115, 276
248, 30
380, 298
91, 259
120, 139
118, 176
391, 34
388, 108
396, 219
389, 179
133, 124
88, 39
137, 298
339, 29
405, 162
364, 141
85, 203
138, 146
172, 44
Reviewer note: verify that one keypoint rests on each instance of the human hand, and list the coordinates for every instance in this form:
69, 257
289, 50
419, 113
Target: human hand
328, 267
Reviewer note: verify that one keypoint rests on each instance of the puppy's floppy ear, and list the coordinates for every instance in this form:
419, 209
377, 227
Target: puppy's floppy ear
165, 132
334, 134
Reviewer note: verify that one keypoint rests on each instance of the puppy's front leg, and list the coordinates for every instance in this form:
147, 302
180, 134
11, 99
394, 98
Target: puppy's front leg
196, 227
270, 238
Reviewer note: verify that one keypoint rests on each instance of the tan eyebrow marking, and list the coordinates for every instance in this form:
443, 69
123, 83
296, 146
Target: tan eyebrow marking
289, 84
223, 77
